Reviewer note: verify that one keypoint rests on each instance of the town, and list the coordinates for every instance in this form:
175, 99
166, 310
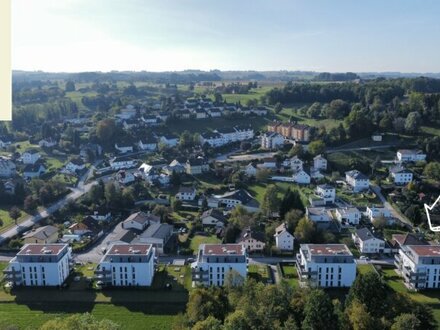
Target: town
170, 188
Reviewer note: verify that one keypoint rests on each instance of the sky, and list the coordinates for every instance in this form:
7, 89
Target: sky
174, 35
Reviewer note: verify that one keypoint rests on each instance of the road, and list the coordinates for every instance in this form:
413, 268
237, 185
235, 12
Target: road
241, 158
385, 146
387, 205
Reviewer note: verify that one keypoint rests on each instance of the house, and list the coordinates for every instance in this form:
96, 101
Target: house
127, 265
233, 198
184, 114
215, 112
101, 214
357, 180
47, 143
244, 132
33, 171
259, 111
284, 241
127, 113
348, 215
124, 177
9, 187
374, 213
40, 265
294, 163
75, 165
325, 265
327, 193
140, 221
215, 261
87, 226
400, 175
186, 194
213, 139
169, 140
229, 134
201, 114
271, 140
213, 217
410, 155
250, 170
5, 141
157, 234
366, 242
196, 166
320, 163
90, 151
253, 241
377, 137
42, 235
300, 133
268, 163
7, 168
399, 240
147, 144
419, 265
175, 167
301, 177
119, 163
123, 148
79, 228
30, 156
150, 120
318, 214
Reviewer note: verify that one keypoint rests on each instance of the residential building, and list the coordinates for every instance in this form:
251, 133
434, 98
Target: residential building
127, 265
320, 163
7, 168
233, 198
326, 265
124, 177
357, 180
196, 166
40, 265
400, 175
75, 165
410, 155
399, 240
215, 261
253, 241
271, 140
169, 140
374, 213
318, 214
157, 234
268, 163
30, 156
119, 163
213, 218
5, 141
326, 192
42, 235
367, 242
186, 194
214, 139
377, 137
294, 163
302, 177
140, 221
300, 132
419, 265
250, 170
31, 171
47, 143
284, 240
123, 148
127, 113
348, 215
101, 214
147, 144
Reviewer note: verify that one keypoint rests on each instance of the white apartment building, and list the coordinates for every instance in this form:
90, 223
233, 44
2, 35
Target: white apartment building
357, 180
301, 177
318, 214
409, 155
127, 265
271, 140
401, 176
326, 265
348, 215
366, 242
378, 212
119, 163
294, 163
186, 194
214, 261
419, 265
319, 163
213, 139
40, 265
284, 240
327, 193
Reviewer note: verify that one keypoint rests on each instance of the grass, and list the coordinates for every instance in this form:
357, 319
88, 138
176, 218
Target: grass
365, 268
290, 275
200, 239
359, 199
430, 130
7, 220
259, 273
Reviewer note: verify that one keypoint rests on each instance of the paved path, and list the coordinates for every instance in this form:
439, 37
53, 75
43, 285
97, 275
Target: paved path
387, 205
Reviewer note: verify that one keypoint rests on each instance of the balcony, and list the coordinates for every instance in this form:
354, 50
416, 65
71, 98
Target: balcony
199, 275
11, 271
305, 273
102, 271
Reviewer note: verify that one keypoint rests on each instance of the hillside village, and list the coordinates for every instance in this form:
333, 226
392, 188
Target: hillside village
223, 190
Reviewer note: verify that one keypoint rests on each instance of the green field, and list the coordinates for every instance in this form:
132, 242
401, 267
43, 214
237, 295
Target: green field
7, 220
199, 239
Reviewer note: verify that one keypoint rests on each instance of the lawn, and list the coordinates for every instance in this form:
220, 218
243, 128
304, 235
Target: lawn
200, 239
290, 274
364, 268
259, 272
7, 220
359, 199
431, 130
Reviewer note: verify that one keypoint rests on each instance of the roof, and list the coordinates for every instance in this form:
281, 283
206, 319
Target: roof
409, 151
157, 230
248, 233
355, 174
327, 249
222, 249
215, 214
426, 250
326, 186
31, 151
399, 169
240, 194
32, 168
364, 234
129, 249
187, 190
42, 249
196, 162
281, 228
211, 135
407, 239
142, 218
77, 161
42, 232
318, 157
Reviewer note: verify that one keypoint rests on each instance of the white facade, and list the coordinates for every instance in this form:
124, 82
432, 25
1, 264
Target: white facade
147, 145
294, 163
320, 163
127, 265
284, 240
406, 155
122, 163
348, 215
401, 177
250, 170
123, 149
30, 157
271, 140
326, 192
169, 141
326, 265
367, 242
213, 139
215, 261
74, 166
40, 265
378, 212
357, 180
7, 168
419, 265
318, 214
301, 177
186, 194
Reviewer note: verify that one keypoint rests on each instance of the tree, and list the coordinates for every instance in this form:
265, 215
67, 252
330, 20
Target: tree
278, 107
205, 302
236, 321
305, 230
291, 200
297, 150
413, 213
292, 218
271, 201
210, 323
375, 165
162, 211
359, 317
79, 322
412, 122
186, 140
177, 205
316, 147
318, 312
105, 130
70, 86
432, 170
15, 213
262, 174
30, 204
233, 279
406, 321
314, 111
